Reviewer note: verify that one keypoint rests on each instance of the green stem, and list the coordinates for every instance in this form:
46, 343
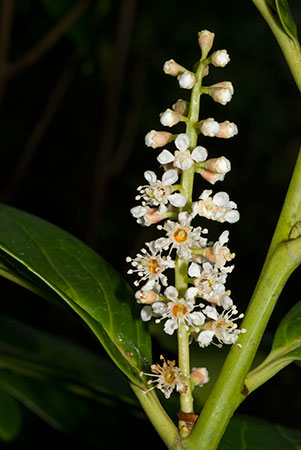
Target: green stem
229, 390
181, 266
290, 48
158, 417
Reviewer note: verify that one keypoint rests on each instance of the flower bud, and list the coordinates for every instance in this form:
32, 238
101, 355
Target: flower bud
227, 130
172, 68
187, 80
169, 118
205, 39
200, 376
220, 58
222, 92
156, 139
218, 165
181, 107
152, 216
211, 177
146, 297
209, 127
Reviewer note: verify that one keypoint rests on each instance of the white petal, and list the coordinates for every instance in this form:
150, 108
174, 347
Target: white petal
170, 326
150, 176
138, 211
232, 216
171, 293
184, 163
194, 270
205, 337
191, 293
197, 318
224, 237
211, 312
165, 157
205, 194
184, 218
182, 142
177, 200
221, 199
169, 177
159, 308
199, 154
146, 313
226, 302
161, 243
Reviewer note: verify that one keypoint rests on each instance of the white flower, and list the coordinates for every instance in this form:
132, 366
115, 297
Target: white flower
187, 80
159, 193
219, 207
208, 279
178, 310
146, 216
222, 326
149, 266
220, 58
183, 159
181, 236
167, 378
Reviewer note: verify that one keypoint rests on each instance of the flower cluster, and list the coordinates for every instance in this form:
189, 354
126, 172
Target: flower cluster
204, 308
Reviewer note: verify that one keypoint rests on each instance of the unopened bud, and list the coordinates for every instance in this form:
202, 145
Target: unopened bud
206, 71
205, 39
222, 92
200, 376
181, 107
172, 68
220, 58
209, 127
152, 216
227, 130
218, 165
146, 297
187, 80
211, 177
156, 139
169, 118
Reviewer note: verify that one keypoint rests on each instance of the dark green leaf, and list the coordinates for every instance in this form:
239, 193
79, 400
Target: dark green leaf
10, 417
248, 433
54, 259
286, 19
28, 351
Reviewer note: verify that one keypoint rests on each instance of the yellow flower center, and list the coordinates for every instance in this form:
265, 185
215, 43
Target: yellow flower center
179, 310
154, 266
180, 235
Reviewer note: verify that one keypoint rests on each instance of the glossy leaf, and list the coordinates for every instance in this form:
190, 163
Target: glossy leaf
63, 267
286, 18
31, 352
286, 348
10, 417
248, 433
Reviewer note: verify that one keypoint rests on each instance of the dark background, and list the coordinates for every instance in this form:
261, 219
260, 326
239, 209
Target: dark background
73, 120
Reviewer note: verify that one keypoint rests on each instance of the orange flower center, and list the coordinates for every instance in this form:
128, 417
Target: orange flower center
154, 266
180, 235
179, 310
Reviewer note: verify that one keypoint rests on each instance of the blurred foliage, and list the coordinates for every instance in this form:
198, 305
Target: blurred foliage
58, 183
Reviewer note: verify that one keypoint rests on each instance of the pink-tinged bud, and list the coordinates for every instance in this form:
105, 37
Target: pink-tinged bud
152, 216
211, 177
220, 58
218, 165
206, 71
172, 68
187, 80
227, 130
200, 376
169, 118
205, 40
146, 297
209, 127
222, 92
156, 139
181, 107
